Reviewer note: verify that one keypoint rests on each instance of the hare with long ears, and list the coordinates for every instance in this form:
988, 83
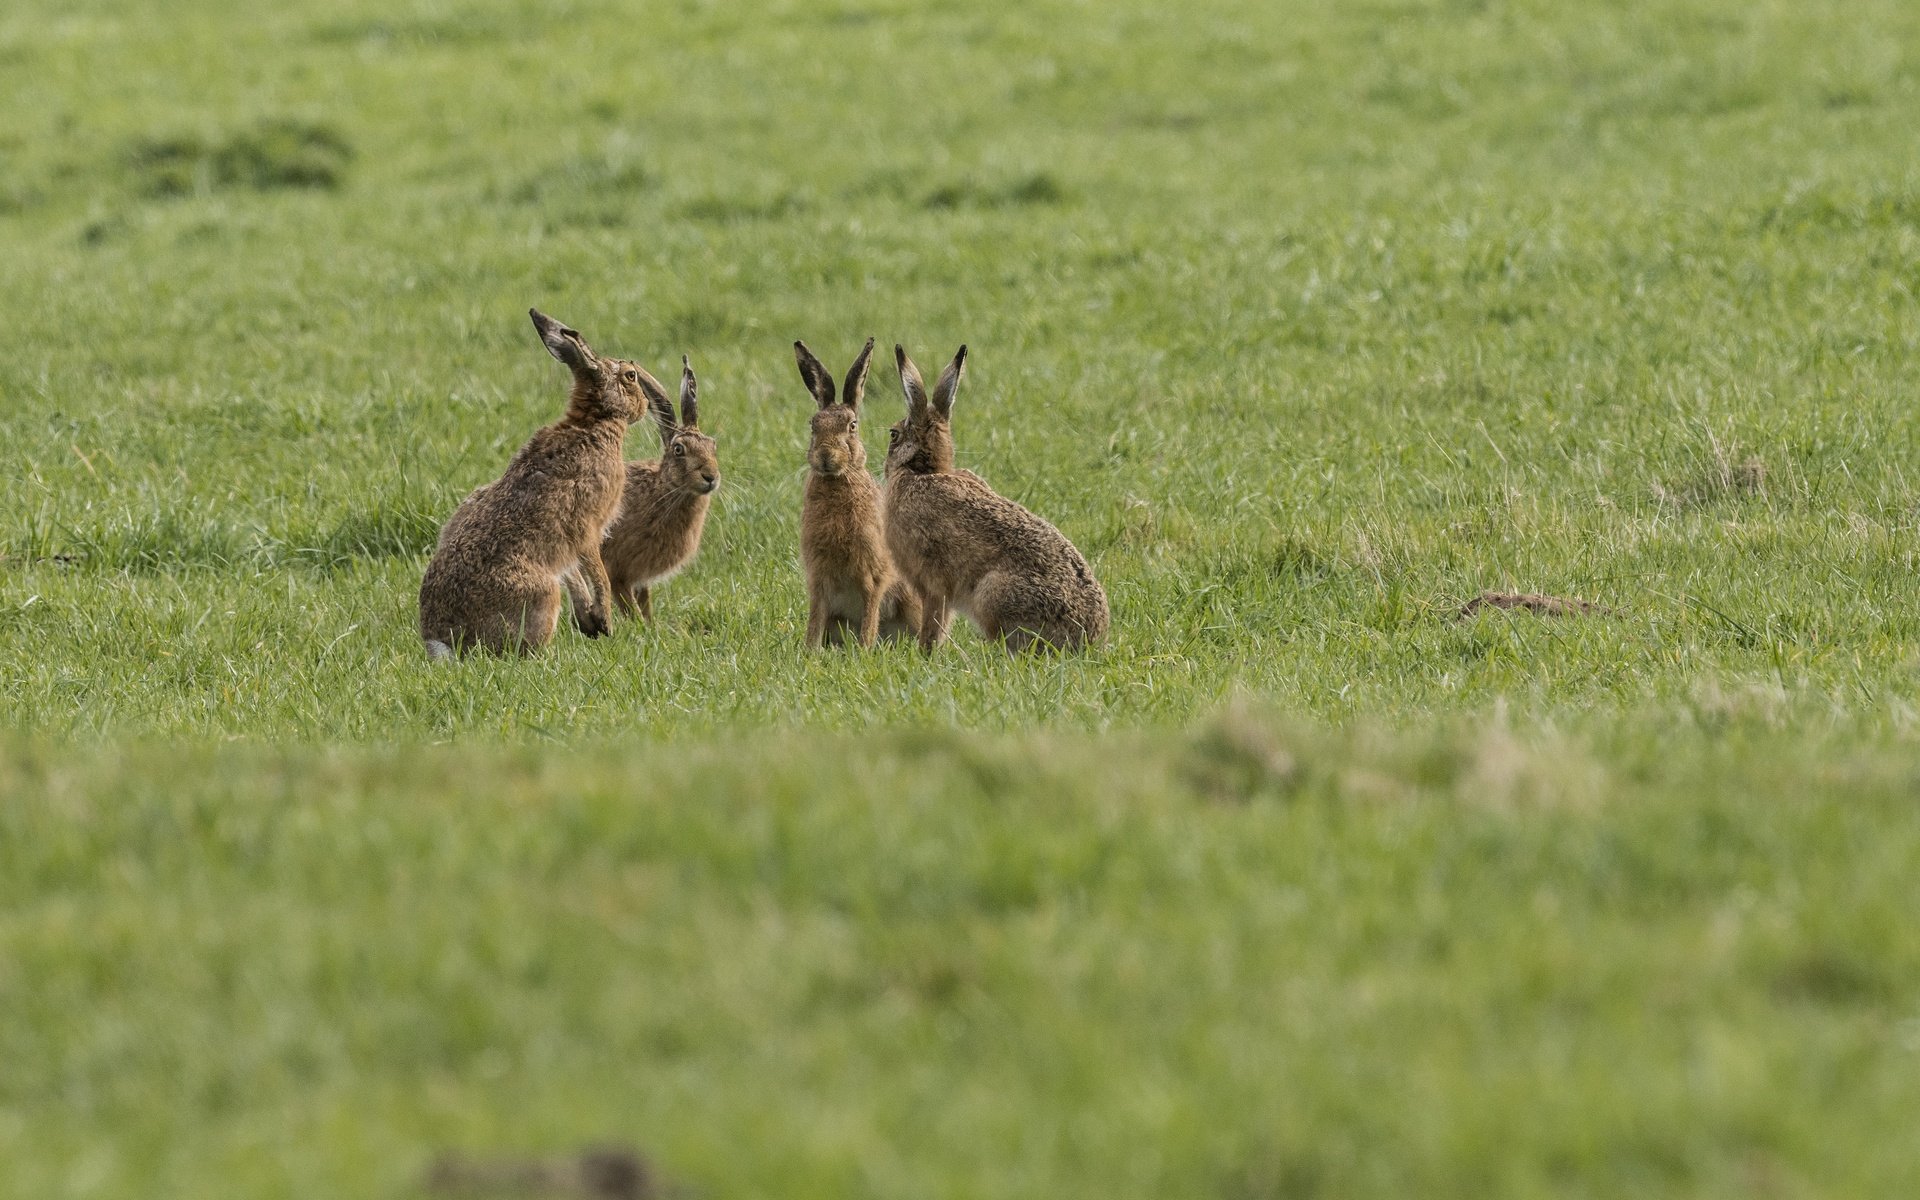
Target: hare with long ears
665, 510
852, 588
495, 577
961, 545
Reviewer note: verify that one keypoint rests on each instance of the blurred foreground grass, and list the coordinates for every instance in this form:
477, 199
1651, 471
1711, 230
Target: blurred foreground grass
1246, 961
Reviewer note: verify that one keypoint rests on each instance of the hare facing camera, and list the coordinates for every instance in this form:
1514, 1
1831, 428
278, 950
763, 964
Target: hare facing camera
852, 589
665, 511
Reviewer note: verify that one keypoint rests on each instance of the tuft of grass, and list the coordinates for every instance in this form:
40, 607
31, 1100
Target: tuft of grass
1723, 472
384, 531
1237, 757
468, 26
730, 209
1041, 187
271, 154
1843, 208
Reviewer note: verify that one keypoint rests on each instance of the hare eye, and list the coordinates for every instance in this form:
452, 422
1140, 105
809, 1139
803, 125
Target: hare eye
893, 435
631, 376
853, 427
680, 448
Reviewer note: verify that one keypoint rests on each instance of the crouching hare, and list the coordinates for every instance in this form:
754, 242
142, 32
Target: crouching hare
852, 589
959, 544
665, 510
495, 577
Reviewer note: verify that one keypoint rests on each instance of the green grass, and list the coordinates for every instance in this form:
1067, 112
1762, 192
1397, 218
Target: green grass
1251, 963
1306, 321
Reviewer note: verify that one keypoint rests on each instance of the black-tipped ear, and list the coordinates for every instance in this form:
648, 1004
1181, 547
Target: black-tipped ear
814, 375
949, 385
856, 386
910, 381
659, 404
689, 396
564, 344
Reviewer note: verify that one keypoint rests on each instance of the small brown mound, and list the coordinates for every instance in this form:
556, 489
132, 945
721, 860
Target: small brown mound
597, 1173
1533, 602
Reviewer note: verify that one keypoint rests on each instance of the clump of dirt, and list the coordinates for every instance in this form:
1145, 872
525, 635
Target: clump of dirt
1533, 602
596, 1173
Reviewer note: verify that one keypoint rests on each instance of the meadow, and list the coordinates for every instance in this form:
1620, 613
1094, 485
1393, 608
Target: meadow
1307, 322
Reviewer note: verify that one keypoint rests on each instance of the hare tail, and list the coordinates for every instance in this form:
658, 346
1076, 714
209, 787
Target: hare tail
439, 651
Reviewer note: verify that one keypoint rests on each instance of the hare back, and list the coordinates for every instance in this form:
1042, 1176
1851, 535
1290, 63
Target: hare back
543, 523
946, 532
553, 501
1023, 610
572, 476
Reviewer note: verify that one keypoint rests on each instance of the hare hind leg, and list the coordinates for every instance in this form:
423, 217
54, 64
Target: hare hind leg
1007, 609
526, 622
934, 619
900, 613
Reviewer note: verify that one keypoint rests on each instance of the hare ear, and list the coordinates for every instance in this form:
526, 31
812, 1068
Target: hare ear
659, 405
689, 397
565, 344
814, 375
949, 385
855, 389
910, 382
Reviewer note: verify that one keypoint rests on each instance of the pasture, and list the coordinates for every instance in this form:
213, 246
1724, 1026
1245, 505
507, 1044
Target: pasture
1307, 322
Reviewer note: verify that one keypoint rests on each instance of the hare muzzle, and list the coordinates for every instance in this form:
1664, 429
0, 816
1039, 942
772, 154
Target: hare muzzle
830, 463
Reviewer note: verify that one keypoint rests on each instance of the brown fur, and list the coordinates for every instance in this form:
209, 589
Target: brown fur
960, 544
495, 577
665, 511
851, 584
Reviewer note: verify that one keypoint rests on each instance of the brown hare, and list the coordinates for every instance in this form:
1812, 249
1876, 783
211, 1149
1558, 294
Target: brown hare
495, 577
852, 589
960, 544
660, 522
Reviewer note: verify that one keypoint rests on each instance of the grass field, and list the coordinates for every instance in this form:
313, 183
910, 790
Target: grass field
1306, 321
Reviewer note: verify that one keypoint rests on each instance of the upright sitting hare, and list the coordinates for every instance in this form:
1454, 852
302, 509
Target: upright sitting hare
851, 585
495, 577
961, 544
658, 531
